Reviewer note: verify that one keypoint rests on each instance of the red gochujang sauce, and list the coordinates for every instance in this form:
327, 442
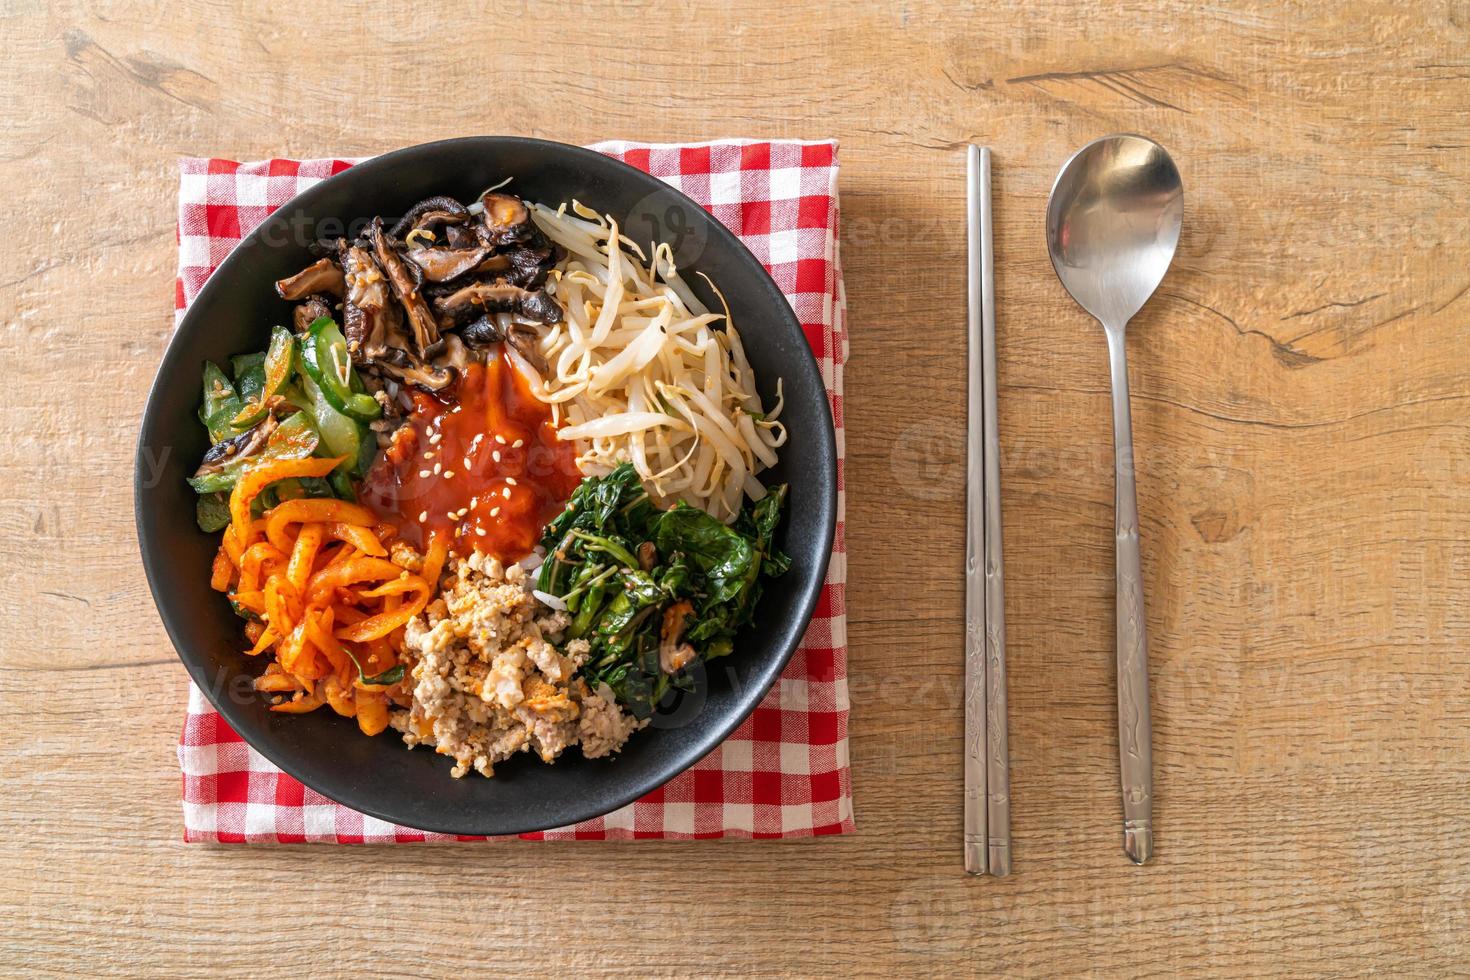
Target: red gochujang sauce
480, 462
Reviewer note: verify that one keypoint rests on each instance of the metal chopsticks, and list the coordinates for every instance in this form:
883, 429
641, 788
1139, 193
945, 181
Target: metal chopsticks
987, 773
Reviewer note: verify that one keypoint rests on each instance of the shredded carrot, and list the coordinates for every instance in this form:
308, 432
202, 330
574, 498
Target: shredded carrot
319, 631
301, 705
276, 682
280, 599
291, 648
342, 698
263, 643
308, 510
348, 614
386, 622
256, 559
308, 542
283, 540
324, 582
231, 546
256, 479
222, 571
361, 538
253, 601
397, 587
372, 712
329, 600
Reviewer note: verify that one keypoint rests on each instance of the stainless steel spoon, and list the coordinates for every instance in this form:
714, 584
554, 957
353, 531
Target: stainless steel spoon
1111, 226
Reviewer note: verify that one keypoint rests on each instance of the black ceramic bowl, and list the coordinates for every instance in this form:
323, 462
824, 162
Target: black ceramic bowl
380, 776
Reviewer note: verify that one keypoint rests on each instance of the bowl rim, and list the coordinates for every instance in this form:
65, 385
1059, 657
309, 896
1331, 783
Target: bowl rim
823, 523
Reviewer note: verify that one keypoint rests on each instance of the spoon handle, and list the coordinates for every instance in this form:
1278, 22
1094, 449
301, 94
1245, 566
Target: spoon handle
1135, 731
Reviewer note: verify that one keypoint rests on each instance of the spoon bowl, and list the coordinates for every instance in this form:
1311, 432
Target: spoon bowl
1112, 224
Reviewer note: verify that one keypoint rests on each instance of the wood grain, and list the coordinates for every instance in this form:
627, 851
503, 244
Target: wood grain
1300, 389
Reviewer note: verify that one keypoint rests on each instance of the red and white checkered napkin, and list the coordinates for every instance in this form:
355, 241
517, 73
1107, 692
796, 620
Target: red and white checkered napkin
784, 772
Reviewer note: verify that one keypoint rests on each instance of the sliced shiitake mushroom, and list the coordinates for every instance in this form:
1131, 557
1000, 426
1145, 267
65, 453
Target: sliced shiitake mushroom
494, 265
674, 656
541, 307
505, 220
322, 276
368, 312
313, 308
493, 328
247, 443
482, 332
405, 287
402, 301
424, 375
430, 213
499, 297
443, 264
493, 296
532, 266
461, 236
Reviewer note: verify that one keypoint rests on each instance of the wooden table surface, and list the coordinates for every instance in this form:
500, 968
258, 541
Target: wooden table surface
1300, 394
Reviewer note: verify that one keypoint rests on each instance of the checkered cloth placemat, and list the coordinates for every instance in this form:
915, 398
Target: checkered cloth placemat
784, 772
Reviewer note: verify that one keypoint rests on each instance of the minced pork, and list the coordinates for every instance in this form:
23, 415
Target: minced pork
489, 682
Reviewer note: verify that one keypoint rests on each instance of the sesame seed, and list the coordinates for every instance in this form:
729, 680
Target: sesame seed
480, 531
423, 516
428, 455
436, 467
510, 481
500, 438
424, 473
494, 511
505, 492
449, 474
518, 444
466, 462
495, 455
434, 439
